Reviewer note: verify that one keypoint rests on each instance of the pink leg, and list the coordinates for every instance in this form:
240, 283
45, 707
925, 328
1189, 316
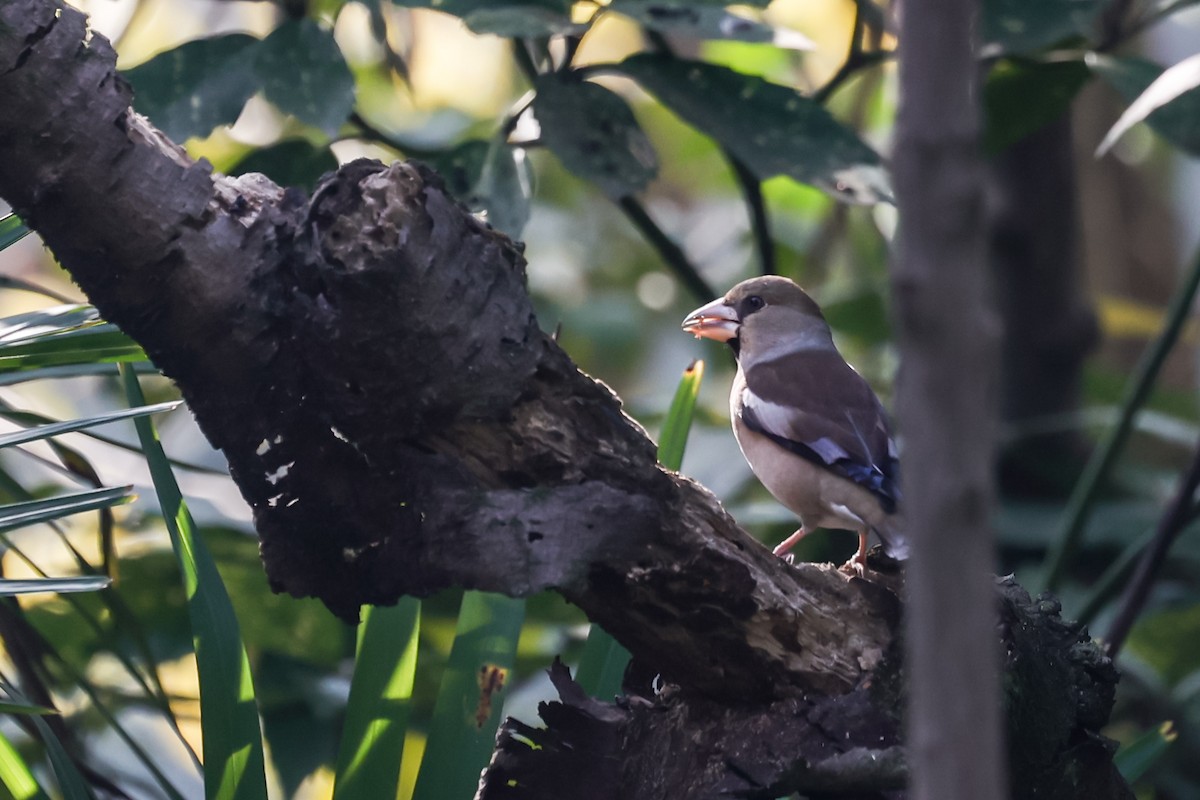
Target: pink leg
858, 562
787, 544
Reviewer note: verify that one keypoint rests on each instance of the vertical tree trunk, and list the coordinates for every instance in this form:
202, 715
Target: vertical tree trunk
945, 398
1049, 326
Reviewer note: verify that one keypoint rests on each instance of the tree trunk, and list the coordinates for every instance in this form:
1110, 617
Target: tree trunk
946, 398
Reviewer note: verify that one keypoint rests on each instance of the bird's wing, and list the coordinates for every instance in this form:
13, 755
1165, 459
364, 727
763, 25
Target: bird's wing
815, 405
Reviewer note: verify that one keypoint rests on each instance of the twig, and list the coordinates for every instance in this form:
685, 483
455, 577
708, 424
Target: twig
747, 181
1079, 506
853, 63
1112, 28
1176, 518
671, 253
369, 132
760, 224
524, 61
1108, 585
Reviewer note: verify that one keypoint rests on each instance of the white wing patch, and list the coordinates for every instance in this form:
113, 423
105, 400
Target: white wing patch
782, 421
775, 418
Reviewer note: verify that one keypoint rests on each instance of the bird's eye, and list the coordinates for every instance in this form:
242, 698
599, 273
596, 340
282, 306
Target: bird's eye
754, 302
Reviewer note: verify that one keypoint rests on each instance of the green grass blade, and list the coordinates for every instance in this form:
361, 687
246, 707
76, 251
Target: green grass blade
233, 752
15, 774
30, 419
1135, 758
122, 620
21, 285
602, 666
372, 744
48, 322
1087, 490
467, 712
32, 512
678, 423
12, 230
62, 336
59, 428
26, 708
71, 371
90, 583
70, 782
603, 663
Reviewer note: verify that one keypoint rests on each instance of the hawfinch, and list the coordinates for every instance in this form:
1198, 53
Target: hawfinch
809, 425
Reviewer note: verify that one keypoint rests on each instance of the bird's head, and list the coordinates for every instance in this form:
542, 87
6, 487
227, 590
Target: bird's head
769, 312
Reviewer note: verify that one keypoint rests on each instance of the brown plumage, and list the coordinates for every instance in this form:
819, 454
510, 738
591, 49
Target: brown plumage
810, 427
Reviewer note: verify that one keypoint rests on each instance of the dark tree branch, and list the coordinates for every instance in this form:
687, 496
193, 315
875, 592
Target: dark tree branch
368, 361
670, 252
1178, 515
756, 208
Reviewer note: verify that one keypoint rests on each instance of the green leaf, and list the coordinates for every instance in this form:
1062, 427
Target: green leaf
1136, 758
60, 336
302, 71
369, 756
707, 22
70, 782
15, 774
594, 133
523, 21
673, 440
26, 708
12, 230
1169, 102
467, 713
47, 322
10, 587
1018, 26
58, 428
295, 162
1022, 97
191, 89
490, 177
233, 753
89, 583
772, 129
32, 512
1169, 641
602, 666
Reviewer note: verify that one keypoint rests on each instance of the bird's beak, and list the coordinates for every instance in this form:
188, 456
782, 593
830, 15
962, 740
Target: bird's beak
713, 321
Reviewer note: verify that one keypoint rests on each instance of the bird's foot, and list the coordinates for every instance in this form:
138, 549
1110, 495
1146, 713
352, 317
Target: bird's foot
857, 565
854, 567
787, 544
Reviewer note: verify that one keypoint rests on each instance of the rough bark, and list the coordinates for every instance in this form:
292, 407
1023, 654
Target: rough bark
945, 397
847, 746
368, 361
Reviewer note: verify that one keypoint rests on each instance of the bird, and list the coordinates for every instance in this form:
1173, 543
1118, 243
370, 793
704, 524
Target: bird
811, 428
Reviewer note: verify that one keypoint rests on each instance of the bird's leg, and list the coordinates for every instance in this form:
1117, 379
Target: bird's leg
787, 544
858, 562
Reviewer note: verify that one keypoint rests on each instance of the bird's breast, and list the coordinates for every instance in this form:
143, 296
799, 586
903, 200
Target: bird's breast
818, 496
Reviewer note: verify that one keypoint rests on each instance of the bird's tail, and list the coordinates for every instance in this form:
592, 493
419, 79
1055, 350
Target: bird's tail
891, 533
